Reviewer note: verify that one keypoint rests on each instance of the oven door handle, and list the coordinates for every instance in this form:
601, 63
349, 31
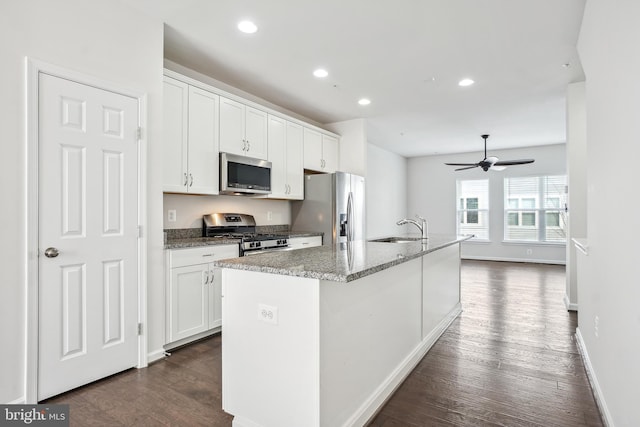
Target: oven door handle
264, 251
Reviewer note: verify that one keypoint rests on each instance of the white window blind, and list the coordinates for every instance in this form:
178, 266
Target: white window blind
473, 208
534, 208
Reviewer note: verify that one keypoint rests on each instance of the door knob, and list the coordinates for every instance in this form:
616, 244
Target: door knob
51, 252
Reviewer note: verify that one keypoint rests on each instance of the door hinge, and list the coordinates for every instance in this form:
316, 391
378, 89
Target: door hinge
139, 133
139, 328
140, 233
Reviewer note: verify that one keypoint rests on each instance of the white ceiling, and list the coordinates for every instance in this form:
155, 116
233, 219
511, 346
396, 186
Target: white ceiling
405, 55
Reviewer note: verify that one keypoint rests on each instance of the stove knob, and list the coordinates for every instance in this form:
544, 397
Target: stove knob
252, 245
258, 244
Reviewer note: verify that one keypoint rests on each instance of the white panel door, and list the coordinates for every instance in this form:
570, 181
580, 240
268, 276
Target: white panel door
203, 142
88, 216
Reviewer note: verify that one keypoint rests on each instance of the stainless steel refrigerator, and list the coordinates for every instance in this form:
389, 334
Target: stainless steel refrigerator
333, 204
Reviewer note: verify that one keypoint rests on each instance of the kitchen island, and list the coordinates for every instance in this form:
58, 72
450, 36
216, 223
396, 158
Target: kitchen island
323, 336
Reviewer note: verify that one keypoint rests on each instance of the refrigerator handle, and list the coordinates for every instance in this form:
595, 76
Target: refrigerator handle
350, 217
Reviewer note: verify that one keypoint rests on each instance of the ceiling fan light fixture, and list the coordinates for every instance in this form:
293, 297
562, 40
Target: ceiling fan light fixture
490, 162
465, 82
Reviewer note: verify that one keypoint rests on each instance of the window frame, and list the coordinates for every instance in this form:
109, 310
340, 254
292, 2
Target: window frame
482, 214
540, 211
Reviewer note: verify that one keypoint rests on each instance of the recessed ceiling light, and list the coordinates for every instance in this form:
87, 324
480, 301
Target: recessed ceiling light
321, 73
364, 101
247, 27
465, 82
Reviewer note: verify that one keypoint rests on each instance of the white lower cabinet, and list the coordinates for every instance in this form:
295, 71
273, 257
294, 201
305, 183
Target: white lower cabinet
194, 292
304, 242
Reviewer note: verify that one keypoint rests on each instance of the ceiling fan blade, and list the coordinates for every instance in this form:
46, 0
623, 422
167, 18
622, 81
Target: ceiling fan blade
462, 164
468, 167
513, 162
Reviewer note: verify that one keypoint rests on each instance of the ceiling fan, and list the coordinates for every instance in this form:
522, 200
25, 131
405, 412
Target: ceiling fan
490, 162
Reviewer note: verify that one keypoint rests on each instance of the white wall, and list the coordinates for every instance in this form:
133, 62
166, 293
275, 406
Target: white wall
432, 194
610, 289
106, 40
386, 192
189, 209
577, 182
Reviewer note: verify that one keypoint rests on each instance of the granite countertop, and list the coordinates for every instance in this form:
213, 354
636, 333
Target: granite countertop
341, 262
182, 241
195, 242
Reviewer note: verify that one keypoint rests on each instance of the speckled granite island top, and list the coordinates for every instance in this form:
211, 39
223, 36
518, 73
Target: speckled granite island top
342, 262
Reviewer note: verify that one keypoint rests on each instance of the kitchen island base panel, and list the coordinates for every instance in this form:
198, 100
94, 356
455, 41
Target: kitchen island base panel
336, 351
270, 366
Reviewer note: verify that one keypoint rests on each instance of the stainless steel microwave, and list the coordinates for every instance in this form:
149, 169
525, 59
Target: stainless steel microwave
244, 175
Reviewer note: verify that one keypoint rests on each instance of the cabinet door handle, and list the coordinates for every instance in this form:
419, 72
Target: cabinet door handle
213, 276
206, 278
191, 183
244, 145
186, 179
248, 145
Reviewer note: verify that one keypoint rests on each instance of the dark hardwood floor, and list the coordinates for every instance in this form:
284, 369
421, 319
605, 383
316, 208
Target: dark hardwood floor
510, 359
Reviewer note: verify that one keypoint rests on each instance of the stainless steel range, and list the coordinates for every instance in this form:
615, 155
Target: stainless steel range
243, 227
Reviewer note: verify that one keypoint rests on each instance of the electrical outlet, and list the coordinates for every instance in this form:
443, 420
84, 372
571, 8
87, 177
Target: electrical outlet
529, 251
596, 324
268, 314
171, 215
269, 215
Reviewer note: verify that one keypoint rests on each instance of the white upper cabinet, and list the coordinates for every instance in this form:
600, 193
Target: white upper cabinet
190, 139
243, 129
285, 155
204, 167
329, 153
320, 151
174, 137
295, 161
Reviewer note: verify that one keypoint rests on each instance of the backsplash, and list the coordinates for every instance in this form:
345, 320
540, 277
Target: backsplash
190, 209
190, 233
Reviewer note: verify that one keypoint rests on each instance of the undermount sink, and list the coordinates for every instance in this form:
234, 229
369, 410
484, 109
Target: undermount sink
397, 240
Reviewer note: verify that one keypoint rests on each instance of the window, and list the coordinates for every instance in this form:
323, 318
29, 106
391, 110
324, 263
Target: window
473, 208
534, 208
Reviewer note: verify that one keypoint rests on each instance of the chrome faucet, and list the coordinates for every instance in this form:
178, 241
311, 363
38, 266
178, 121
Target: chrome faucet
422, 225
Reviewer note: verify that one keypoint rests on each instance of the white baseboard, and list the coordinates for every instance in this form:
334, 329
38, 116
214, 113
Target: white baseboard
533, 261
593, 380
382, 393
570, 306
155, 355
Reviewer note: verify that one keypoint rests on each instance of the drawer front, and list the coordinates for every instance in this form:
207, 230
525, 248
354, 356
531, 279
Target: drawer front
305, 242
201, 255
